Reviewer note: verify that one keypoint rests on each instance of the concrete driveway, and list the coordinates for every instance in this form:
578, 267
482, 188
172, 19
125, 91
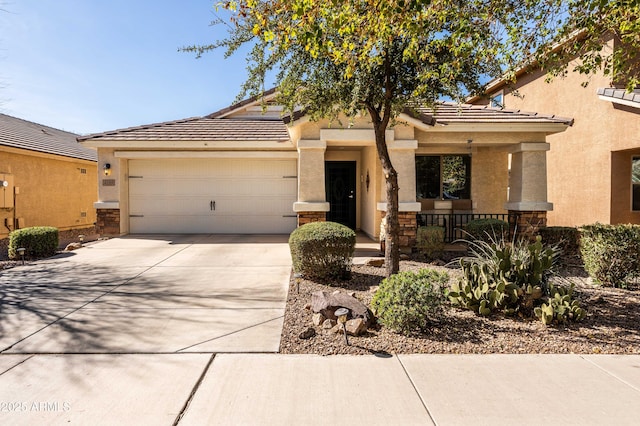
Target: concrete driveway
150, 294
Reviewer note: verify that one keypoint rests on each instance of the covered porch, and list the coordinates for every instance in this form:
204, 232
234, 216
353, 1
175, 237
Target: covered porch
453, 166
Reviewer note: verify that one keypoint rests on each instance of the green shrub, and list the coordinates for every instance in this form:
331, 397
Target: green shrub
611, 253
567, 239
322, 250
39, 241
430, 241
511, 277
406, 301
487, 229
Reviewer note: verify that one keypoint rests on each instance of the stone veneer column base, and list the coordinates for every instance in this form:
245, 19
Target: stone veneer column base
408, 229
527, 223
308, 217
108, 222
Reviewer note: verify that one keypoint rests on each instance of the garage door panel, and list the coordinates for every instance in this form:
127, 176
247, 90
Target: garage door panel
151, 224
171, 205
175, 195
249, 205
150, 186
245, 224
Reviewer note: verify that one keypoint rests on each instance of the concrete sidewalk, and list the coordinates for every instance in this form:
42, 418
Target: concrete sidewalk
270, 389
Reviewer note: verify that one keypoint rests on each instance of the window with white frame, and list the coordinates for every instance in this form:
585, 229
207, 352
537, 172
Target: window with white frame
497, 100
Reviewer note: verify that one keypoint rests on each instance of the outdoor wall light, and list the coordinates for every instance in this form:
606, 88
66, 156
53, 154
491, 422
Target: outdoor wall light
5, 183
81, 238
107, 169
342, 313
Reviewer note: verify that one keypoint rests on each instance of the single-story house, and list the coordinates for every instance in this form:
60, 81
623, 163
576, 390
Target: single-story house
594, 167
244, 170
47, 178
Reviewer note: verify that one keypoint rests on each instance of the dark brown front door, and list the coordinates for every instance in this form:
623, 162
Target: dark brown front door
340, 186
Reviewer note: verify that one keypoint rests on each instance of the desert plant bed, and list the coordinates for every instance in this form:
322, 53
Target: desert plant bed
612, 325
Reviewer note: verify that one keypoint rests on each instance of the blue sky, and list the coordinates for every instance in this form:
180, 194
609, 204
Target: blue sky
89, 66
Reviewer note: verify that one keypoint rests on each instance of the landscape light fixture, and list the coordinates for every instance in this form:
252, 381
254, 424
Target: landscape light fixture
342, 313
297, 277
21, 251
107, 169
81, 238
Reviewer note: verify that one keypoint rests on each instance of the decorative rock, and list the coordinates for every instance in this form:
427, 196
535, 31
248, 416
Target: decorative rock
73, 246
336, 292
328, 324
307, 306
317, 318
326, 304
356, 327
374, 289
377, 263
352, 294
404, 256
308, 333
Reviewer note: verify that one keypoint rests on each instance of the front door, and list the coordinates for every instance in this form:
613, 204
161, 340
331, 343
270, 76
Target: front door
340, 185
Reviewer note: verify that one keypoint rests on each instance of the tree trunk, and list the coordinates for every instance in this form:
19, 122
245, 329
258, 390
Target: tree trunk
392, 244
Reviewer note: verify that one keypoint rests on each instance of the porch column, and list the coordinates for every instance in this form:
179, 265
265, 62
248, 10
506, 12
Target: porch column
528, 187
403, 158
312, 205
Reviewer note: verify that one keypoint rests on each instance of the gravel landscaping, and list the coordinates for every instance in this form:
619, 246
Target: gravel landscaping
612, 325
65, 237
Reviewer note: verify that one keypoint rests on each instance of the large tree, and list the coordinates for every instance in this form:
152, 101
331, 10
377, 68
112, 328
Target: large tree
344, 58
582, 34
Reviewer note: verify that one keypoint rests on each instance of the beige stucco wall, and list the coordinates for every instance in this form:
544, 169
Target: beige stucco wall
52, 190
489, 180
583, 183
109, 193
370, 217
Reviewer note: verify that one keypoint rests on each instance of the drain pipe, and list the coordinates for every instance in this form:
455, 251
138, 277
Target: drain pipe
14, 207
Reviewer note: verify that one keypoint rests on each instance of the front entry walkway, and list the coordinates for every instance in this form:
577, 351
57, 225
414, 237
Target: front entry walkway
150, 294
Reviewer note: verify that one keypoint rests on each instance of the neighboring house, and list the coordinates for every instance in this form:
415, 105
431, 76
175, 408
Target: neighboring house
593, 167
240, 170
46, 178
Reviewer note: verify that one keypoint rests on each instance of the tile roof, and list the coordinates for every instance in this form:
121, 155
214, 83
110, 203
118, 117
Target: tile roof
451, 113
620, 94
200, 129
245, 102
22, 134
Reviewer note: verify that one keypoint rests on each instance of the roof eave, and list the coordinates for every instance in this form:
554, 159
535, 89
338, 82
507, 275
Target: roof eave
254, 100
619, 101
190, 144
499, 127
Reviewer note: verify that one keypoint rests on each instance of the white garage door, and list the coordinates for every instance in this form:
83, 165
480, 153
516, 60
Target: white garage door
222, 195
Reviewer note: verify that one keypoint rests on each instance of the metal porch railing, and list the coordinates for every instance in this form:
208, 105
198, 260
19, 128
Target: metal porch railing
454, 223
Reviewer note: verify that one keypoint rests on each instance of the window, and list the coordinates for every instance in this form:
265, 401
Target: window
446, 177
635, 184
497, 100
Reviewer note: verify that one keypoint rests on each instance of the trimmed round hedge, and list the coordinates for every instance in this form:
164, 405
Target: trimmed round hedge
39, 241
322, 250
405, 302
